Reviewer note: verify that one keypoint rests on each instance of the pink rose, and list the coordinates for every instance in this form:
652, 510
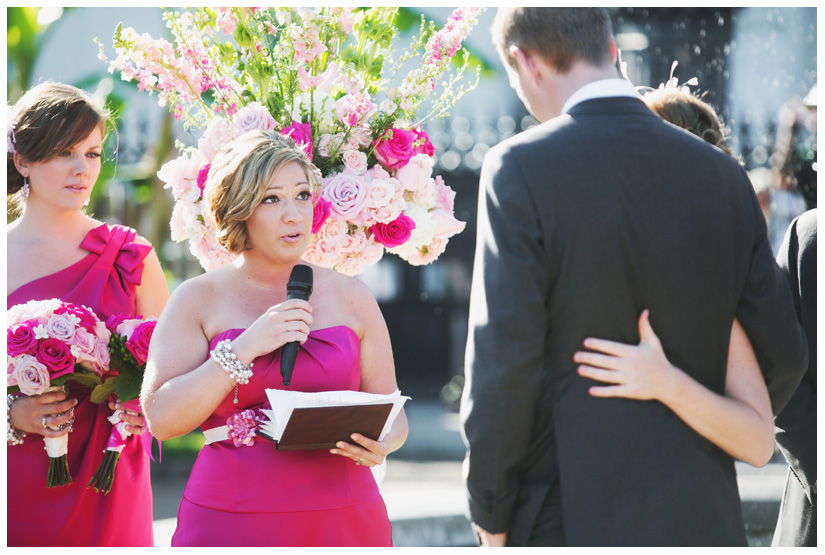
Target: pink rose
355, 162
20, 339
428, 254
397, 149
113, 321
30, 375
56, 356
415, 175
84, 341
88, 319
102, 357
301, 133
445, 224
445, 195
320, 213
347, 195
395, 233
334, 231
217, 134
372, 253
127, 327
203, 174
252, 117
349, 266
424, 145
138, 344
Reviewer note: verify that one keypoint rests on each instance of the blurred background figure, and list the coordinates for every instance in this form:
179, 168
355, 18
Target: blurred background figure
794, 160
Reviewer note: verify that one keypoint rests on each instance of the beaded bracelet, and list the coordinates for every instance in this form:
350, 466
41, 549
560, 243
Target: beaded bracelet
14, 436
223, 355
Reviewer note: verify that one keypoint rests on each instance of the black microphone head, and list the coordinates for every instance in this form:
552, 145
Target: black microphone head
300, 282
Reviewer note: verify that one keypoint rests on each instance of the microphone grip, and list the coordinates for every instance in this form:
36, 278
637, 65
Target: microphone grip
289, 352
288, 355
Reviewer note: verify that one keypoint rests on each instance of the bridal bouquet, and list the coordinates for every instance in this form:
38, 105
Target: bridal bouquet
50, 342
128, 347
327, 78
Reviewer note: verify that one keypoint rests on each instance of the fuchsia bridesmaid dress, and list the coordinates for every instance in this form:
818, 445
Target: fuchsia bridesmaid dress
73, 515
257, 496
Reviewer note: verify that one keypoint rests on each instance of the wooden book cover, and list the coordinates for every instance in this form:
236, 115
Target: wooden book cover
323, 427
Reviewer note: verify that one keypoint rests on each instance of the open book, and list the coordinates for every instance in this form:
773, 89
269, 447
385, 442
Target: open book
301, 420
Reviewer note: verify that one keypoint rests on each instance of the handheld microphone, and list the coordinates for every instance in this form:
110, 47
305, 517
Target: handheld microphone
299, 286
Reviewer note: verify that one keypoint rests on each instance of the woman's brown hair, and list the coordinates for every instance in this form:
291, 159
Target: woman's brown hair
48, 119
689, 112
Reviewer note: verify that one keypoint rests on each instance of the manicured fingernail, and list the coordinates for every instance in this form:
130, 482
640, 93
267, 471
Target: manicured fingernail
340, 445
355, 437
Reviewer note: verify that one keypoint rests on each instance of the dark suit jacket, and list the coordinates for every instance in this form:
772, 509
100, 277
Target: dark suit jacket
583, 222
796, 424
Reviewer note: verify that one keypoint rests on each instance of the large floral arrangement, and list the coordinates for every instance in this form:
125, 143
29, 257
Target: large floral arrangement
325, 78
50, 342
128, 347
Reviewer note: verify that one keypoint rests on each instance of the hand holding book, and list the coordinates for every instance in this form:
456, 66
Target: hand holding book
301, 420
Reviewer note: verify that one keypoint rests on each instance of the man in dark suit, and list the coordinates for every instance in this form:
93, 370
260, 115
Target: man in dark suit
601, 211
796, 424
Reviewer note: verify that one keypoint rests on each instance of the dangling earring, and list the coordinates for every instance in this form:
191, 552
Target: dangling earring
24, 190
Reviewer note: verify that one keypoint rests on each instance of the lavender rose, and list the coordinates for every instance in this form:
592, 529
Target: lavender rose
61, 326
30, 375
56, 356
252, 117
347, 195
138, 344
20, 339
395, 233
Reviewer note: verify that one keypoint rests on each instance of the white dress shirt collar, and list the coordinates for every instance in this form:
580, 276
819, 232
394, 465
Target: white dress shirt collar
601, 89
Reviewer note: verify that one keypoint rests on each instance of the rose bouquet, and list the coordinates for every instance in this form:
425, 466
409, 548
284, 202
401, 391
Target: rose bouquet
128, 348
323, 77
50, 342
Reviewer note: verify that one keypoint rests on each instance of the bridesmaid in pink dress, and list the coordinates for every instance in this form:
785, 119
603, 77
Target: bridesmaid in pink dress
259, 196
56, 251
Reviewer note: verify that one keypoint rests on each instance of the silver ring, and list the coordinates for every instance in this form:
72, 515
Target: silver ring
359, 461
43, 421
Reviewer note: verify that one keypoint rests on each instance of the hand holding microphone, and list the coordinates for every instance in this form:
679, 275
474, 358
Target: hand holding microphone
299, 286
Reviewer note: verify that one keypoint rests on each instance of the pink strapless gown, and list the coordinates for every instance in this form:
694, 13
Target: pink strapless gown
257, 496
73, 515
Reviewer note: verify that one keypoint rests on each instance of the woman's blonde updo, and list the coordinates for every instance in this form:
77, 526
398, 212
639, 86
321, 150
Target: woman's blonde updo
239, 177
48, 119
689, 112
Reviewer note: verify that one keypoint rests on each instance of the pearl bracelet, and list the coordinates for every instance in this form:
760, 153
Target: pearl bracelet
14, 436
223, 355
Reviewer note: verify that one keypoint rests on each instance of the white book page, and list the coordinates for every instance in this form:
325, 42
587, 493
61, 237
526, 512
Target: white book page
284, 402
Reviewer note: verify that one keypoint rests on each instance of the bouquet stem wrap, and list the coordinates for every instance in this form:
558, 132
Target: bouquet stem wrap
104, 477
57, 449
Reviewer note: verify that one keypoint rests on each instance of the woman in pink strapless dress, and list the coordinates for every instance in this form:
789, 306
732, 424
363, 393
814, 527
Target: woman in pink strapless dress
56, 251
259, 195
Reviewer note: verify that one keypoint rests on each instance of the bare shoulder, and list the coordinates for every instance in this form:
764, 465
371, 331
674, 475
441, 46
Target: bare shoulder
189, 297
349, 298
